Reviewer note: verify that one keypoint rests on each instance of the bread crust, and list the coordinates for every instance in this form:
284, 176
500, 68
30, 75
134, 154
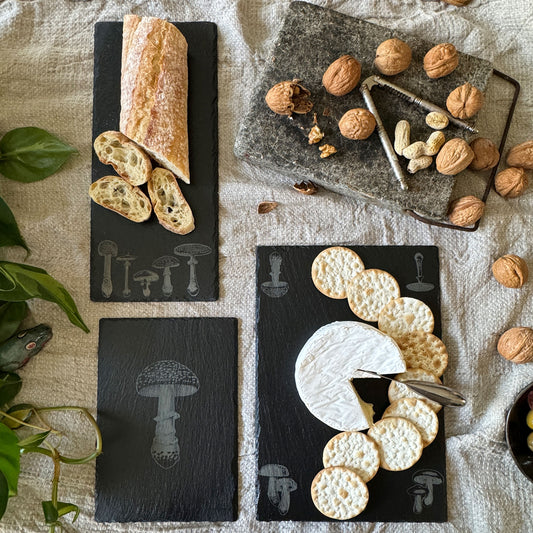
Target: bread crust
154, 90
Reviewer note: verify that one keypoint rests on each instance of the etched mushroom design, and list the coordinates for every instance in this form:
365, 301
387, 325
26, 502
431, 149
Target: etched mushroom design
166, 380
422, 492
165, 263
127, 260
107, 249
418, 493
279, 486
145, 277
275, 288
192, 251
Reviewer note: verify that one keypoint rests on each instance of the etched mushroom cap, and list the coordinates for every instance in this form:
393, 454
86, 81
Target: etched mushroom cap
145, 275
428, 477
126, 257
166, 261
182, 378
274, 471
108, 248
192, 249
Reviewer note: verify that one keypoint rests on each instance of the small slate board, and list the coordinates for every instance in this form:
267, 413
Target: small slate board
132, 247
289, 310
309, 41
167, 409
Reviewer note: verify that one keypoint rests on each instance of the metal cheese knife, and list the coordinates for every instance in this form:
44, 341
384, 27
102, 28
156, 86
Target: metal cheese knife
432, 391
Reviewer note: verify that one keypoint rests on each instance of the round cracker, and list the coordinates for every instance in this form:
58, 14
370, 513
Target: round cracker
423, 350
339, 493
419, 413
332, 270
397, 390
354, 450
399, 443
370, 291
404, 315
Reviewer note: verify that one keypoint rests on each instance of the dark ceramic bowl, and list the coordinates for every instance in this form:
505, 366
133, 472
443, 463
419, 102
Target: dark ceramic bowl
516, 432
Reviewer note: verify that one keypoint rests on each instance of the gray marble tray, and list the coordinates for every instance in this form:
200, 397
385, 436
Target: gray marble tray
310, 39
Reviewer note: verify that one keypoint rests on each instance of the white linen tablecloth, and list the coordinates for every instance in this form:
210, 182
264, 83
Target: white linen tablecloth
46, 72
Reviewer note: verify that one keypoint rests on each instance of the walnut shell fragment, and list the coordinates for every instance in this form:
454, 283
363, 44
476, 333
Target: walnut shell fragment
288, 97
465, 101
454, 157
486, 154
357, 124
511, 182
441, 60
342, 75
306, 187
458, 3
521, 156
516, 345
511, 271
266, 207
466, 211
393, 56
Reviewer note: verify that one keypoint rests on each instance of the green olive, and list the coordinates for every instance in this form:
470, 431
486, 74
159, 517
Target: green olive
530, 441
529, 419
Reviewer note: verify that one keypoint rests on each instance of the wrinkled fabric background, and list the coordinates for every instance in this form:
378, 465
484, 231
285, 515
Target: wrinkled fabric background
46, 73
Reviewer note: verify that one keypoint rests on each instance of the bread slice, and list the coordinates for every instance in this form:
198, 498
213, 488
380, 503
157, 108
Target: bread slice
170, 206
130, 161
154, 89
115, 193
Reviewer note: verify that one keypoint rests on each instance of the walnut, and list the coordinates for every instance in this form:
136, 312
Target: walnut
342, 75
459, 3
437, 121
266, 207
511, 182
327, 150
486, 154
466, 211
441, 60
511, 271
521, 156
465, 101
306, 187
357, 124
516, 345
454, 157
315, 135
392, 57
288, 97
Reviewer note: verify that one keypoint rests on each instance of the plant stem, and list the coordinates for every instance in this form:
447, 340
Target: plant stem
55, 480
19, 421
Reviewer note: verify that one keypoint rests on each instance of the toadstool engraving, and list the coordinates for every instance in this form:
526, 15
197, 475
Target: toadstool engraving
166, 381
165, 263
280, 486
192, 251
108, 250
275, 288
127, 260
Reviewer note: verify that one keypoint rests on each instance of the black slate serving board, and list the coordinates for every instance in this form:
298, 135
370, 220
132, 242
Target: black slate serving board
288, 434
148, 241
310, 39
192, 475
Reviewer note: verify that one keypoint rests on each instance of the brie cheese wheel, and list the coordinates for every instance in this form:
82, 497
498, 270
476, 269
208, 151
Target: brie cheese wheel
329, 360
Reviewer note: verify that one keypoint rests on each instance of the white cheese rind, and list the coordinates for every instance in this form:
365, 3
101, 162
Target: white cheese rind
329, 360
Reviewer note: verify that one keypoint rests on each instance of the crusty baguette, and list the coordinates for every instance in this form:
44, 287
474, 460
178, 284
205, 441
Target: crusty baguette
115, 193
130, 161
153, 91
170, 206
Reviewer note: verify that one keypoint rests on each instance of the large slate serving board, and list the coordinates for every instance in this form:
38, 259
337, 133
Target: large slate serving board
310, 39
134, 480
288, 434
148, 241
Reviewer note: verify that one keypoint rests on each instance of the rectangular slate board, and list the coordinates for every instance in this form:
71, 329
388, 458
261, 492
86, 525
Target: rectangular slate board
288, 434
310, 39
149, 240
136, 480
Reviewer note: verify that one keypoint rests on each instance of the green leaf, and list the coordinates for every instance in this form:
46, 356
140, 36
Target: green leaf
9, 231
66, 508
50, 512
33, 440
10, 385
21, 411
9, 458
32, 154
11, 315
22, 282
4, 494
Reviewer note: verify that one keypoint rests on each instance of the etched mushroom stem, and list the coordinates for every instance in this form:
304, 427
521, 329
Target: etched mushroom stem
165, 441
193, 289
107, 285
167, 283
126, 292
275, 267
417, 503
145, 284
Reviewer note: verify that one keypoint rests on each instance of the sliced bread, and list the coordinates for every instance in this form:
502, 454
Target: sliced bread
130, 161
115, 193
170, 206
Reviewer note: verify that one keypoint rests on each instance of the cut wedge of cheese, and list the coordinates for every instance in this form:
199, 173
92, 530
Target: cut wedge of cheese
330, 359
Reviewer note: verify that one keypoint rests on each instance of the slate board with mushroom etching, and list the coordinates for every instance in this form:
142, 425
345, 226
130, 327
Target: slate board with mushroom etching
167, 407
290, 438
145, 262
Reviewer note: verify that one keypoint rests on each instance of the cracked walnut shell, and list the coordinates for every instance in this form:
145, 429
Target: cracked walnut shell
521, 156
511, 271
357, 124
465, 101
342, 75
511, 182
466, 211
454, 157
393, 56
441, 60
486, 154
459, 3
288, 97
516, 345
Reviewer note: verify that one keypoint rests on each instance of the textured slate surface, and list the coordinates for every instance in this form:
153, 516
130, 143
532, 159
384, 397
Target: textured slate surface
202, 484
149, 241
288, 434
310, 39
